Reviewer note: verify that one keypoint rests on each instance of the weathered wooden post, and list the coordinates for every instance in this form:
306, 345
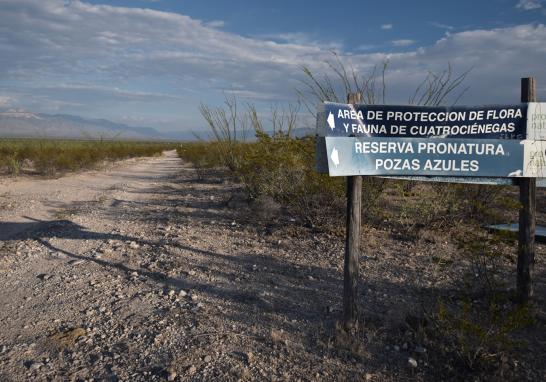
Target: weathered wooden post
527, 197
368, 140
352, 243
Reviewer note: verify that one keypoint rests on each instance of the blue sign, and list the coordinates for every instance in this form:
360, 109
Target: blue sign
349, 156
517, 122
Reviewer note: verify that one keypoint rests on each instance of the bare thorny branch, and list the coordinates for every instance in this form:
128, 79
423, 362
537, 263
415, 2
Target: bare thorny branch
432, 91
228, 124
435, 88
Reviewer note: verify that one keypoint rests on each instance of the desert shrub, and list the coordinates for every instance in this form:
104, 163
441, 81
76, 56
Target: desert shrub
13, 164
49, 157
203, 155
445, 206
474, 202
284, 168
486, 253
477, 335
10, 159
476, 326
276, 166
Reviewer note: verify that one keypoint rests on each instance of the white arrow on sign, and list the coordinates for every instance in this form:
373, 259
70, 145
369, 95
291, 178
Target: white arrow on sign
331, 121
335, 156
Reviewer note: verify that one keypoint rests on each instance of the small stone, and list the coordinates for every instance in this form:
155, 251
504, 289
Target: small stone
171, 376
191, 273
207, 358
35, 366
134, 245
170, 293
194, 297
412, 362
182, 293
396, 348
4, 349
405, 346
76, 262
249, 357
192, 369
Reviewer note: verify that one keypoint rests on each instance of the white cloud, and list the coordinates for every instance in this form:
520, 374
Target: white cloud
403, 42
58, 40
366, 47
102, 58
216, 24
386, 26
5, 101
529, 5
441, 25
495, 56
298, 38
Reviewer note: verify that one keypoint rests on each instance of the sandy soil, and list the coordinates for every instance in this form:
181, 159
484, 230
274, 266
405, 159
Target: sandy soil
143, 272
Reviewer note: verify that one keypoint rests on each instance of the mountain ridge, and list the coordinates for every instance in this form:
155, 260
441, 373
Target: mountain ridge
26, 124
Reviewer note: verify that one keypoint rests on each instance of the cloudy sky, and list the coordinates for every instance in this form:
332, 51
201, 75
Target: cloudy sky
151, 62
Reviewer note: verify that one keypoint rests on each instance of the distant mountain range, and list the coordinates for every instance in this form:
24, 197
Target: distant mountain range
24, 124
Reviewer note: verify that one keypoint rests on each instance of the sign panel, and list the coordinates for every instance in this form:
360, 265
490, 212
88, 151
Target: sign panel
518, 122
349, 156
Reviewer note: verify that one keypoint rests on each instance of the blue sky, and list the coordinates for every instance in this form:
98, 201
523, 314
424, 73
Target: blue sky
151, 62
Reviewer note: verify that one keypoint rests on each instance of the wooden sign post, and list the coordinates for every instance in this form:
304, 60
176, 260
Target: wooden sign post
496, 144
527, 213
352, 243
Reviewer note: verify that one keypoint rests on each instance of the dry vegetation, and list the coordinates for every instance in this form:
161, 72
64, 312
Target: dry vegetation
51, 157
229, 266
467, 320
474, 328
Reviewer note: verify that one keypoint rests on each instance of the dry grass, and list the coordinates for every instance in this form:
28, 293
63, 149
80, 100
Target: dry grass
51, 157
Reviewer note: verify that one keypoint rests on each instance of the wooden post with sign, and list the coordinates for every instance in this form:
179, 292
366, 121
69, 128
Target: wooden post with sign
352, 243
527, 212
497, 144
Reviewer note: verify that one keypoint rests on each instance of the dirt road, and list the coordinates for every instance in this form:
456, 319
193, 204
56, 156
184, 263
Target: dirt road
145, 272
26, 202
